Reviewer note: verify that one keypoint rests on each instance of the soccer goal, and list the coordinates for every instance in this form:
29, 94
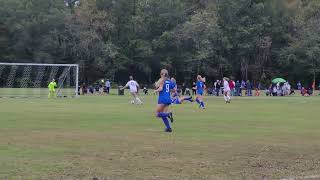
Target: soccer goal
31, 80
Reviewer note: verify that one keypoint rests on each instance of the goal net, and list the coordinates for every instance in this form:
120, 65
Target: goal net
31, 80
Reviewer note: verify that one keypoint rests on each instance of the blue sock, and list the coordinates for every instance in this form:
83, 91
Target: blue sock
166, 122
202, 104
163, 114
198, 101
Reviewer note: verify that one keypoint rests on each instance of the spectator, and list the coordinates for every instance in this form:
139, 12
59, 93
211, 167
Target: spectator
218, 86
268, 93
274, 91
194, 88
303, 91
279, 90
310, 91
299, 87
238, 88
188, 93
292, 91
257, 92
243, 86
183, 89
232, 87
249, 88
145, 91
90, 89
108, 86
284, 89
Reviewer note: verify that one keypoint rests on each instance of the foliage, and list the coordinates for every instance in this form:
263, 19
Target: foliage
245, 39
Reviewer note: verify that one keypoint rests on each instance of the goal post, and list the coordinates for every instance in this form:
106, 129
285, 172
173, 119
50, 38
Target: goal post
32, 79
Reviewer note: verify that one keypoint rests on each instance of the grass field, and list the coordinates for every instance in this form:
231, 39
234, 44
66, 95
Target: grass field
108, 138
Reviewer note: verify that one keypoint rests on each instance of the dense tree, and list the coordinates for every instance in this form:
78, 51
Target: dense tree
244, 39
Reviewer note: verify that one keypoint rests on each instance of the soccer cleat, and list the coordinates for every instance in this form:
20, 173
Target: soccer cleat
170, 117
168, 130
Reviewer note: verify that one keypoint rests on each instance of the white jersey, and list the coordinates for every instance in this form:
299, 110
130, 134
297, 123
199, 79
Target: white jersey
133, 86
226, 86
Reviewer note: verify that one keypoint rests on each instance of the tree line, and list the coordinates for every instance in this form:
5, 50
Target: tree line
253, 40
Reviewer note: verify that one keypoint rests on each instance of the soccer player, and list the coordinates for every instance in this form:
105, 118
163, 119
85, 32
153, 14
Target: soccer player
133, 86
200, 90
164, 87
176, 99
52, 89
226, 90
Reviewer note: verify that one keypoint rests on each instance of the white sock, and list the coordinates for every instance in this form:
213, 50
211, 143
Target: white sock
229, 98
225, 98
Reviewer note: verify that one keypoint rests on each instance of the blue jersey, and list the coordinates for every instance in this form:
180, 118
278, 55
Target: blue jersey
200, 87
165, 95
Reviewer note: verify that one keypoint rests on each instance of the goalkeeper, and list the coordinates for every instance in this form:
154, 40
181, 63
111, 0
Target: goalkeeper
52, 89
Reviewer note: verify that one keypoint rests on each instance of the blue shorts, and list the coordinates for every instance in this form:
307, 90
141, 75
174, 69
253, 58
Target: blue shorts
164, 101
199, 92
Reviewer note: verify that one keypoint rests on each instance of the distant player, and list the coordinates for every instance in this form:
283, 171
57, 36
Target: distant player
176, 99
164, 87
133, 86
200, 91
226, 90
52, 89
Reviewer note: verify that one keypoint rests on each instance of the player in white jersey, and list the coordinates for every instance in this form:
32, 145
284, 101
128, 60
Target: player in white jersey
226, 90
133, 87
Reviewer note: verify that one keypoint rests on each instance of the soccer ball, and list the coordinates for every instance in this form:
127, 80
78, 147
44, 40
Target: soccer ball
132, 102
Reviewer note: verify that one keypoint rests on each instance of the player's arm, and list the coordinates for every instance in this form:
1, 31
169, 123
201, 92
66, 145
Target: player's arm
159, 86
159, 83
126, 86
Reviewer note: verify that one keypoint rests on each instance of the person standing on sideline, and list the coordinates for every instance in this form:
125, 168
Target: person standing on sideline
238, 88
108, 86
133, 86
249, 88
232, 86
218, 86
183, 88
194, 88
52, 89
299, 86
226, 90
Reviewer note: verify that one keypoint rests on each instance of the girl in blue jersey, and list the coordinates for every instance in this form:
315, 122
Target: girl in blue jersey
164, 87
176, 99
200, 91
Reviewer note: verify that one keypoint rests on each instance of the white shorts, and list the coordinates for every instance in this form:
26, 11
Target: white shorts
133, 91
226, 91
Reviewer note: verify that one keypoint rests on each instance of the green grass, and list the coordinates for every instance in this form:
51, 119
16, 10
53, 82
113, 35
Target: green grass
106, 137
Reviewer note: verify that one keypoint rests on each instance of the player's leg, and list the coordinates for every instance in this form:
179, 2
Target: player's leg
160, 113
185, 98
225, 97
201, 102
166, 109
228, 96
136, 98
198, 99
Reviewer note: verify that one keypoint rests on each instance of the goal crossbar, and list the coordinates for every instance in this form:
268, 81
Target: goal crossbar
36, 64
